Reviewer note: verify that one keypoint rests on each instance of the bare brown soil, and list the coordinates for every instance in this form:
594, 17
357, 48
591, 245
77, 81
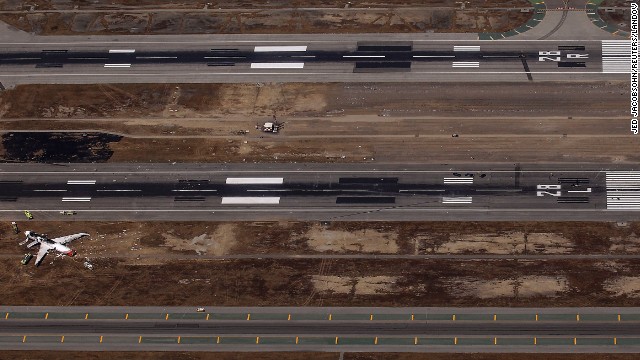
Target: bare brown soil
157, 264
330, 122
165, 240
265, 17
257, 101
231, 4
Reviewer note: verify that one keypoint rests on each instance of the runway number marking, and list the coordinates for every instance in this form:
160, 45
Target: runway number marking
549, 187
558, 191
556, 56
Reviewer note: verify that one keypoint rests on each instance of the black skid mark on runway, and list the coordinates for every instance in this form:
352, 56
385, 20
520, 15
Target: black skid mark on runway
45, 147
526, 68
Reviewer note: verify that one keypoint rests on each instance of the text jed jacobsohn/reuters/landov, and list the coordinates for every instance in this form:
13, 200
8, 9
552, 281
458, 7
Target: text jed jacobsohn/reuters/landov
634, 68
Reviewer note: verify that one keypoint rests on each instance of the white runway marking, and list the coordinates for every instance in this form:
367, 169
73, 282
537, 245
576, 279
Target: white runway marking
246, 181
69, 199
466, 48
117, 65
363, 56
277, 65
192, 190
466, 64
250, 200
119, 190
456, 200
623, 190
49, 190
434, 56
127, 51
81, 182
458, 180
279, 48
616, 56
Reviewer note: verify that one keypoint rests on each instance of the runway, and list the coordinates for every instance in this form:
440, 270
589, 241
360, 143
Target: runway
320, 192
322, 329
314, 61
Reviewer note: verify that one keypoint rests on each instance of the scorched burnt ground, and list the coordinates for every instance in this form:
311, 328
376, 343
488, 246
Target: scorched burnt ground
57, 147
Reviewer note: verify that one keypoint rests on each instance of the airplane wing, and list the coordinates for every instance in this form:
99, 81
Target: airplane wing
69, 238
44, 248
32, 244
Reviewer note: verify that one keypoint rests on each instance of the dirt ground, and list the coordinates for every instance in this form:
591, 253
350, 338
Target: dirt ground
63, 355
167, 240
172, 264
259, 101
323, 123
263, 17
620, 18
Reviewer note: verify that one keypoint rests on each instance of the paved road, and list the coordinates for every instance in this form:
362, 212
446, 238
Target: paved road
313, 61
301, 328
322, 329
320, 192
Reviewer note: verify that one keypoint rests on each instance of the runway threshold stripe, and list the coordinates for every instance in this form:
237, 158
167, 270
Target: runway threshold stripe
457, 200
250, 200
81, 182
124, 51
70, 199
466, 48
117, 65
279, 48
254, 181
458, 180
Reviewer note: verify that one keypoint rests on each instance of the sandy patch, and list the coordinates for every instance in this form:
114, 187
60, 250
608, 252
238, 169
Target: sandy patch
366, 285
366, 240
549, 243
509, 243
624, 286
332, 284
626, 244
218, 243
526, 286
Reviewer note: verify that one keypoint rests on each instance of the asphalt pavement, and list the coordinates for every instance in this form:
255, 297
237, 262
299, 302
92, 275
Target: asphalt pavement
321, 329
320, 192
304, 60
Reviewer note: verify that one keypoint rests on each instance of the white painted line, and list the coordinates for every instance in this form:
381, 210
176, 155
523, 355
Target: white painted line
50, 190
117, 65
456, 180
225, 57
456, 200
279, 48
434, 56
277, 65
245, 181
119, 190
81, 182
271, 190
466, 48
250, 200
422, 190
122, 51
68, 199
467, 64
363, 56
505, 190
194, 190
156, 57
